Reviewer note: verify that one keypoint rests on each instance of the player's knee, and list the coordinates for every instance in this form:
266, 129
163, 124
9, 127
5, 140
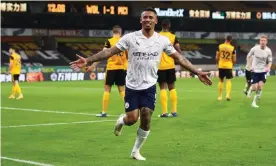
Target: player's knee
131, 120
121, 88
163, 85
171, 86
107, 88
260, 86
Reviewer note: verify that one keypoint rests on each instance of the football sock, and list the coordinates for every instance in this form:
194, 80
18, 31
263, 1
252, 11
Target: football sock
257, 95
140, 139
228, 88
121, 120
18, 89
260, 93
220, 88
250, 91
105, 101
164, 100
248, 85
13, 90
173, 96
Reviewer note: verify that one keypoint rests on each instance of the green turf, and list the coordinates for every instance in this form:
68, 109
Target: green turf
207, 132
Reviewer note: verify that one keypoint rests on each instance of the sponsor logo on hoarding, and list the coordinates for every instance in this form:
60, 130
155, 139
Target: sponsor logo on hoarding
67, 76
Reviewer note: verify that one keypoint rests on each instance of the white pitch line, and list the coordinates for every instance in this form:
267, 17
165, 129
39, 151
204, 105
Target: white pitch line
50, 111
54, 124
26, 161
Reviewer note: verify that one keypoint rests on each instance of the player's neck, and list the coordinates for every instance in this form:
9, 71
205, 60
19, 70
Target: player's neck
165, 30
148, 33
116, 35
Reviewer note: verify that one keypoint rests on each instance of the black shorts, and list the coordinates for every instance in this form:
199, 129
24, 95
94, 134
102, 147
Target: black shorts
115, 76
257, 77
225, 73
167, 76
248, 76
15, 77
136, 99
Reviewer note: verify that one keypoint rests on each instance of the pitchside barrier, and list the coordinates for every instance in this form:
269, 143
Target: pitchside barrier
80, 76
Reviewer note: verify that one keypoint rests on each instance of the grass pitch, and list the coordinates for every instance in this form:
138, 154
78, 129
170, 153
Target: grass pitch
55, 124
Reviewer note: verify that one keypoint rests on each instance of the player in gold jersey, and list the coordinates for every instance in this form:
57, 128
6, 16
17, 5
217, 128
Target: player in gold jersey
166, 73
226, 58
115, 70
15, 69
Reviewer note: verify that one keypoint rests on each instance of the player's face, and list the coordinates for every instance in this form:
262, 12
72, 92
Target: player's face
148, 20
263, 42
10, 50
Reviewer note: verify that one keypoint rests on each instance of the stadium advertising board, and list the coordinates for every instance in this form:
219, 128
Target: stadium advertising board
61, 7
243, 15
8, 78
108, 33
210, 14
73, 76
120, 9
16, 7
43, 69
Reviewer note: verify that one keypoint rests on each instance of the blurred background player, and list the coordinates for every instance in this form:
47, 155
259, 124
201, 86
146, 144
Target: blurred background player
14, 69
166, 73
248, 74
226, 58
115, 70
261, 64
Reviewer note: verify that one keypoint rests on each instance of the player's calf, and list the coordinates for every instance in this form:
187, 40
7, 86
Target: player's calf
145, 118
142, 133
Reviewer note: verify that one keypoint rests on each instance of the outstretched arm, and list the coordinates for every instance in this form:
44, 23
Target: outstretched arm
95, 64
104, 54
185, 63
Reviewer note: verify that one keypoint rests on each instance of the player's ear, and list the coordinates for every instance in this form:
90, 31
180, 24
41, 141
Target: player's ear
141, 20
156, 19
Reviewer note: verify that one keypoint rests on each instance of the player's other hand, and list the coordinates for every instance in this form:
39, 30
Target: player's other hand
251, 69
90, 68
76, 65
203, 77
267, 69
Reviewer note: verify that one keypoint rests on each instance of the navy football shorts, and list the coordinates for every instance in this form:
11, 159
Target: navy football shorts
257, 77
136, 99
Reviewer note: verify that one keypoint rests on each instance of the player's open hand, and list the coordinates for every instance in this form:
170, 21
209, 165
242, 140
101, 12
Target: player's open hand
76, 65
203, 77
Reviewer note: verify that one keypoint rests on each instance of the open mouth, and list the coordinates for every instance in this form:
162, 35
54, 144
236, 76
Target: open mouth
147, 25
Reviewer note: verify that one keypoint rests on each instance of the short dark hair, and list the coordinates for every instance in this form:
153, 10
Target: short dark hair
229, 38
116, 29
166, 22
12, 48
150, 9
